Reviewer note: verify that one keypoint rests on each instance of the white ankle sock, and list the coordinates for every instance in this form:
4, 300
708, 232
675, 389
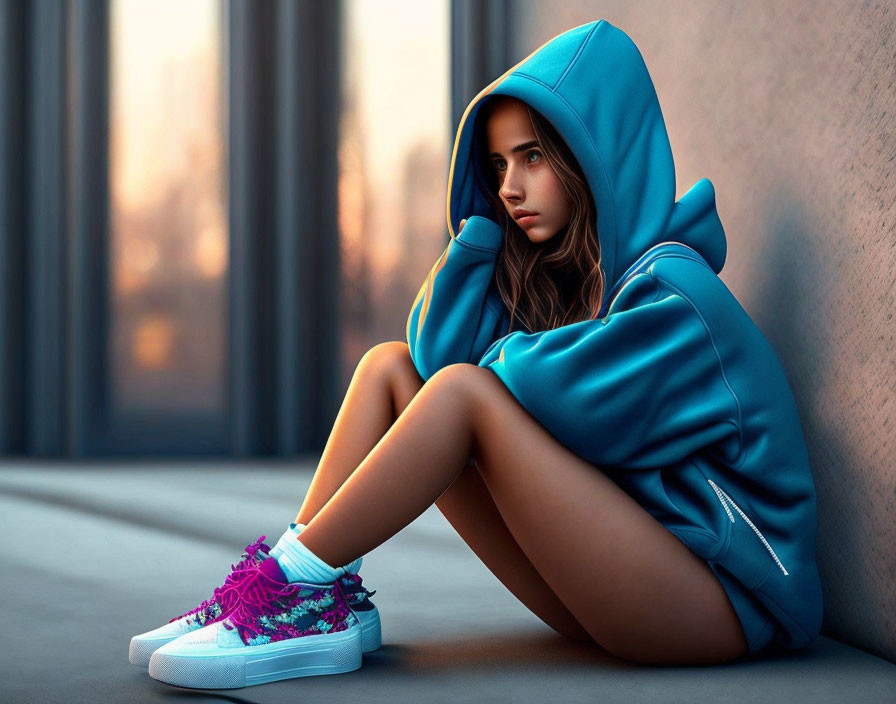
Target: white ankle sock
289, 539
299, 564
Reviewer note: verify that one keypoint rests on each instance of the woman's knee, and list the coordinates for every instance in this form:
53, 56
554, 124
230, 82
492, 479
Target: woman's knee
391, 357
472, 389
487, 395
460, 380
463, 375
391, 362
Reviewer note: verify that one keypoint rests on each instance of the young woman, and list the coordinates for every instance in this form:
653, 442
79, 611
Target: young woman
580, 395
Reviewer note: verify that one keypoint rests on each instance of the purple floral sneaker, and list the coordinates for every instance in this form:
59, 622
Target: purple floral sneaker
221, 603
358, 598
278, 630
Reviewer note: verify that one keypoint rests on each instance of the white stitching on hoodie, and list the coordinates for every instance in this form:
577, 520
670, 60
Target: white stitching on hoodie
725, 499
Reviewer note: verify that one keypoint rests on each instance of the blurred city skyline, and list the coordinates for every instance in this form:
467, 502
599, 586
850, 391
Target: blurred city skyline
168, 188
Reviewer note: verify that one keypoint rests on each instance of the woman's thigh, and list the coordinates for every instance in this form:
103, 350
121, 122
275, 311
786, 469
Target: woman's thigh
469, 508
633, 585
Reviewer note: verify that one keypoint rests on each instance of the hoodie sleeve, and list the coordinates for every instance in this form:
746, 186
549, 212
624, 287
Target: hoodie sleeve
458, 312
639, 388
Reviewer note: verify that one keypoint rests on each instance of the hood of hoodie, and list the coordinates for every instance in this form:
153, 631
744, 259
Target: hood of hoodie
592, 85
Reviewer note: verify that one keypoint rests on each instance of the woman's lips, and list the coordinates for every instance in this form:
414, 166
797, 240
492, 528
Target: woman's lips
527, 219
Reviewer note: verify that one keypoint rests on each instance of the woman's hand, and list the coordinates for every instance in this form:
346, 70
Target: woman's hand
462, 223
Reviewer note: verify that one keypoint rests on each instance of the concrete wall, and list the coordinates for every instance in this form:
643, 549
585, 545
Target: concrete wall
790, 110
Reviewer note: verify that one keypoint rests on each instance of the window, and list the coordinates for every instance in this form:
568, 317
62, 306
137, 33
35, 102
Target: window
394, 149
168, 248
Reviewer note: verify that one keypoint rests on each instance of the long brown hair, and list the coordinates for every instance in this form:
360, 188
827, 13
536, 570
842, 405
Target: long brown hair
549, 284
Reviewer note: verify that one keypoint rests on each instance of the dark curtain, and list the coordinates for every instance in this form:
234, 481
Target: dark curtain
52, 146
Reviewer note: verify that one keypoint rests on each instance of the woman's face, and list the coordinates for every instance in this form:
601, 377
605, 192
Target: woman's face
526, 182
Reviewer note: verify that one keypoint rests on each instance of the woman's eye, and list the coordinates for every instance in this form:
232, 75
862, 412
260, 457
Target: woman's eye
501, 165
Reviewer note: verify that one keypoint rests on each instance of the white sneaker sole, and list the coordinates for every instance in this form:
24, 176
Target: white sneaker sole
371, 629
144, 645
206, 666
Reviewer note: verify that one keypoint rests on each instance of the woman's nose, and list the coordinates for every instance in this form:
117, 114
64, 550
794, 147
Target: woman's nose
511, 188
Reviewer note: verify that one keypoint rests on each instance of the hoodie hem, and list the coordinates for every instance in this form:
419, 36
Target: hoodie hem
754, 618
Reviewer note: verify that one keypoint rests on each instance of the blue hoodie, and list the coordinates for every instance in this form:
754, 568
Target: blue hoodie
671, 389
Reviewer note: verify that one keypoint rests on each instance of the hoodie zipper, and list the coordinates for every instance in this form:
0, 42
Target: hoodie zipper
637, 266
725, 500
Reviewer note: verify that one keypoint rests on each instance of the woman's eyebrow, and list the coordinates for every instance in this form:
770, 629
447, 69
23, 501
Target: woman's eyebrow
518, 148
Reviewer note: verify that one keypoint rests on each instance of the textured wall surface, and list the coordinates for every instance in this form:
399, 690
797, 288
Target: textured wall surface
790, 110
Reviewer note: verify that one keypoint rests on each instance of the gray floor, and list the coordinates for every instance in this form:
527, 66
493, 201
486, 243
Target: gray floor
99, 552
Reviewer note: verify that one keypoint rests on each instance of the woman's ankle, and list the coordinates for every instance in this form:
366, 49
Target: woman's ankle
296, 528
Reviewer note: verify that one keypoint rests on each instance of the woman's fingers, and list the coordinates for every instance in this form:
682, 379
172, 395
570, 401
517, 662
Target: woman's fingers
461, 224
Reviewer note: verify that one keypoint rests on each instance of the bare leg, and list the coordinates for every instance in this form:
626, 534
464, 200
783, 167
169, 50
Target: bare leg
634, 587
379, 390
382, 386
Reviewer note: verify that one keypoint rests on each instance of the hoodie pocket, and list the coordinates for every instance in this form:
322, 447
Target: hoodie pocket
728, 504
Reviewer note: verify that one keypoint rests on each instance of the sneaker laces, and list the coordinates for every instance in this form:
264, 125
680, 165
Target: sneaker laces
228, 594
357, 581
262, 596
